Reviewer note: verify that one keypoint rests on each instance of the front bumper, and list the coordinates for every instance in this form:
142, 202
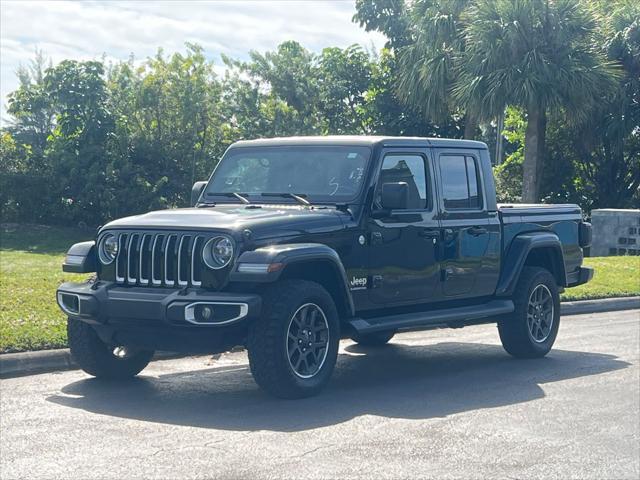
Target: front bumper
580, 276
105, 303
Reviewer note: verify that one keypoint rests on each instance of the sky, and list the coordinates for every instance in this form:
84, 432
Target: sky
113, 29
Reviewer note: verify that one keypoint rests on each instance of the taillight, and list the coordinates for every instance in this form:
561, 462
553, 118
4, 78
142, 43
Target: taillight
585, 234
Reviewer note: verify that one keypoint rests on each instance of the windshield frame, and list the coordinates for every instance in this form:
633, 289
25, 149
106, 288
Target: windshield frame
257, 198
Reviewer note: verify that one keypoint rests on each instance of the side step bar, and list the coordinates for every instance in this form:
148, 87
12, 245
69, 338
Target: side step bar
454, 317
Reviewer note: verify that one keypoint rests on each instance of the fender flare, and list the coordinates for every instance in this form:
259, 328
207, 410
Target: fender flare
517, 254
270, 262
81, 258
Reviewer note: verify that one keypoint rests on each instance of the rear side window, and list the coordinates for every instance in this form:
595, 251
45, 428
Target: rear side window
460, 182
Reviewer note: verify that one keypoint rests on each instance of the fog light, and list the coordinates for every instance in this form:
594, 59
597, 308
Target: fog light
215, 313
69, 303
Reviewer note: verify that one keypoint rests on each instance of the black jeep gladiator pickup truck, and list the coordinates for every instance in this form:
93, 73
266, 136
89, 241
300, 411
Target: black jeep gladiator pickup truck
295, 243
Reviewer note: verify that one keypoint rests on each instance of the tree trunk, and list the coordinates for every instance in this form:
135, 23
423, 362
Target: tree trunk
470, 126
533, 154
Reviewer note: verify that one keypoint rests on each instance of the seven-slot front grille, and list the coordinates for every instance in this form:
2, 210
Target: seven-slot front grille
159, 259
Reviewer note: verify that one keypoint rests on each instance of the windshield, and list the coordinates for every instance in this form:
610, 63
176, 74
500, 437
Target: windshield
330, 174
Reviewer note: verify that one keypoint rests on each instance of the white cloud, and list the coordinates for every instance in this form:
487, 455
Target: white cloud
85, 30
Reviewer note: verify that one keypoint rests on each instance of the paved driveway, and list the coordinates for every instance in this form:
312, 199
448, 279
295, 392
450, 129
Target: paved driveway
446, 403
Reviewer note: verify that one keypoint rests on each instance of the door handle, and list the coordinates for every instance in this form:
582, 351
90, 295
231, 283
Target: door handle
376, 238
448, 234
476, 231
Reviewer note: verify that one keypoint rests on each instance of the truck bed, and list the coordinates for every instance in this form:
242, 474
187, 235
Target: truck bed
562, 219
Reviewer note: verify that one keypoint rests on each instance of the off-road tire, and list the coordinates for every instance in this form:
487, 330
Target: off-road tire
375, 339
96, 358
267, 339
514, 331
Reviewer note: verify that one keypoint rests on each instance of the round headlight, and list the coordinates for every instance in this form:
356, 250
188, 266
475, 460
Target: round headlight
108, 249
218, 252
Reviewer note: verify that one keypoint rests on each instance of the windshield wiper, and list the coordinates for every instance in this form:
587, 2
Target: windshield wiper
239, 196
297, 197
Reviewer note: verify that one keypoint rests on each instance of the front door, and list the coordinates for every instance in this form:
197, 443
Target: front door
403, 244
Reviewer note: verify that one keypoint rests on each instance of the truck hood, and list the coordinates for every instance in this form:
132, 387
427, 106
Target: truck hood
264, 221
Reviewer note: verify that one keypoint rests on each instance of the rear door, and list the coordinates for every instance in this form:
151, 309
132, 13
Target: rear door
403, 263
469, 231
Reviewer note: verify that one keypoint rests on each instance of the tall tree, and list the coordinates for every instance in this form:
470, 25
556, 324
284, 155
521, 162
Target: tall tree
429, 65
344, 78
168, 129
425, 37
608, 142
537, 54
78, 145
387, 115
385, 16
30, 106
291, 75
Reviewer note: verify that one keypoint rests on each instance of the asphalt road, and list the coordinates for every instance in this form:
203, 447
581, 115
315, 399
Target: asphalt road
440, 404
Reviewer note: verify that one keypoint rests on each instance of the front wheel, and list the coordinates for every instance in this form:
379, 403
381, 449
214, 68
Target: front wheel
101, 360
531, 330
293, 347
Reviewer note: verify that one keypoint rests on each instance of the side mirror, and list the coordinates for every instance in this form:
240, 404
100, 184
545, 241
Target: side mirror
395, 196
196, 191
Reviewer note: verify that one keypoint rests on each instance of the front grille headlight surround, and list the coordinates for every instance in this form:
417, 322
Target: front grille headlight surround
218, 252
108, 248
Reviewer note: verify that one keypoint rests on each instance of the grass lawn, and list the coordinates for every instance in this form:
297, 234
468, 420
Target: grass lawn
613, 277
30, 271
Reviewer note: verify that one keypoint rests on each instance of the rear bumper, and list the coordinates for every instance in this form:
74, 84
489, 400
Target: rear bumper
580, 276
105, 303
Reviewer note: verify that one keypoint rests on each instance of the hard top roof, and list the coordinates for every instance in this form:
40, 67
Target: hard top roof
364, 140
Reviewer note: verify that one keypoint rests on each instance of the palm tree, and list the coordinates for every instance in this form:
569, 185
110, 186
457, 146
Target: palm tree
537, 54
429, 63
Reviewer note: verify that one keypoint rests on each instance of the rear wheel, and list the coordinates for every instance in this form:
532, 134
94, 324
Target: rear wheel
532, 328
376, 339
101, 360
293, 347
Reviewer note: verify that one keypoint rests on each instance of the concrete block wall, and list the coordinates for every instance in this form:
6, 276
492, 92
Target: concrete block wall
615, 232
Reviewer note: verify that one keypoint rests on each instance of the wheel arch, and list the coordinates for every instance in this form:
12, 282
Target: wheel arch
536, 249
308, 261
327, 274
549, 258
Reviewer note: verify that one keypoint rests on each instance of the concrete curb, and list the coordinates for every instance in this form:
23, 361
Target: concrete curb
43, 361
601, 305
27, 363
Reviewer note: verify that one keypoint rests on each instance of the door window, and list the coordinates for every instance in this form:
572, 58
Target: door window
460, 183
409, 169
